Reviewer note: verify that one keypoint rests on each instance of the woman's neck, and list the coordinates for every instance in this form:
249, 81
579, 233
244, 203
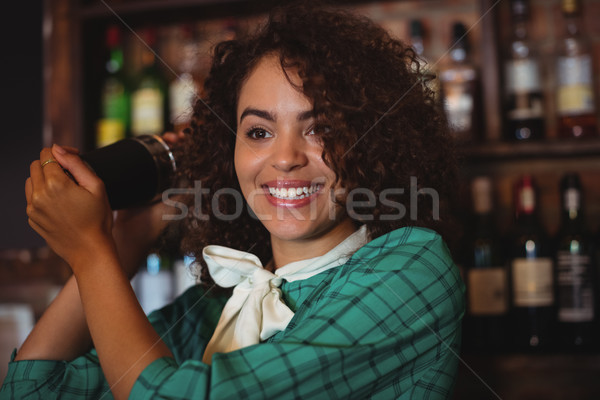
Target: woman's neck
287, 251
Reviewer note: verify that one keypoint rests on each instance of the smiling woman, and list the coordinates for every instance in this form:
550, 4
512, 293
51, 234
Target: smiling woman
321, 122
277, 157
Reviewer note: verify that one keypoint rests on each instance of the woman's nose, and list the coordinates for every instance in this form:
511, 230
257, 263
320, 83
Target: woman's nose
289, 153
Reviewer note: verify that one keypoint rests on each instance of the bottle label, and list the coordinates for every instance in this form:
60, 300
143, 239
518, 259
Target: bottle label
109, 131
487, 291
458, 103
532, 282
575, 89
523, 76
527, 199
147, 112
114, 100
575, 291
182, 93
572, 199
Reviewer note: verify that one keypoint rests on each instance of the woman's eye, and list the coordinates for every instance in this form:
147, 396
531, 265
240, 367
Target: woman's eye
318, 130
258, 133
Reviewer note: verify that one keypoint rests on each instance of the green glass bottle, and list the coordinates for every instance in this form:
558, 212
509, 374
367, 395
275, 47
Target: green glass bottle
113, 124
149, 99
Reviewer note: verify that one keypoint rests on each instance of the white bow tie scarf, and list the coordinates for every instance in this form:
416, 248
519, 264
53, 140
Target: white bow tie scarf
255, 311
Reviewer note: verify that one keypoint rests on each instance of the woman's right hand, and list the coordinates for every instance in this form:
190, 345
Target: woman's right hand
73, 218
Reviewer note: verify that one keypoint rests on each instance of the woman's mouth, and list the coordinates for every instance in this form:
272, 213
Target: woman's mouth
291, 193
294, 193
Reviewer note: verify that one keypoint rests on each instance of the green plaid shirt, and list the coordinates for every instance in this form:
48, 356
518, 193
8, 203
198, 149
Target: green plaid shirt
384, 325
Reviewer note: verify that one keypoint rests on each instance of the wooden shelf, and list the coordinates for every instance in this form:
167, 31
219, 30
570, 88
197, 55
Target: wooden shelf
110, 8
504, 151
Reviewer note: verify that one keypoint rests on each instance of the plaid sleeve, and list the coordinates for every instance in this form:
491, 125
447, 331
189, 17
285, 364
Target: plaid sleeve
185, 325
385, 325
81, 378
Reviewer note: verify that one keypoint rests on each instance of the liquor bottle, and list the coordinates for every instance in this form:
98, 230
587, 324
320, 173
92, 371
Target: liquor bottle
524, 102
487, 280
154, 284
459, 82
532, 280
113, 123
417, 41
184, 88
148, 99
574, 75
574, 270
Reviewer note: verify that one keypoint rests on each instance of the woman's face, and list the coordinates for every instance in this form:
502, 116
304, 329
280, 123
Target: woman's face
278, 156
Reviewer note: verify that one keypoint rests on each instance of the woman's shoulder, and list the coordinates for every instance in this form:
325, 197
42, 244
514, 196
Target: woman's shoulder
409, 260
410, 266
402, 249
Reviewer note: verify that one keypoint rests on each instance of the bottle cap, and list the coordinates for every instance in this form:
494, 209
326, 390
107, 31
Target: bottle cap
113, 36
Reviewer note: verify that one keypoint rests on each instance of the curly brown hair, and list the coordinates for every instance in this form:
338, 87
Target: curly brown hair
367, 87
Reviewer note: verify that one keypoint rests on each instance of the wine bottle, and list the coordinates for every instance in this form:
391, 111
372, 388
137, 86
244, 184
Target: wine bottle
459, 82
524, 102
574, 270
532, 280
113, 123
576, 107
183, 89
487, 281
148, 100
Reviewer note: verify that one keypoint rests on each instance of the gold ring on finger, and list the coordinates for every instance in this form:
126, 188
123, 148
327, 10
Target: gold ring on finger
49, 161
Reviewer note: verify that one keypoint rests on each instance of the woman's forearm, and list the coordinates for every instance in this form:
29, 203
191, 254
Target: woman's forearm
62, 332
123, 337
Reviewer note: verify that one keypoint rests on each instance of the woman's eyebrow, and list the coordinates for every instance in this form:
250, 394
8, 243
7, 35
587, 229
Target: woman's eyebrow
259, 113
303, 116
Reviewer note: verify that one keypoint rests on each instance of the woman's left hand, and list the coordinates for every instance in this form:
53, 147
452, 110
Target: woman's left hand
75, 219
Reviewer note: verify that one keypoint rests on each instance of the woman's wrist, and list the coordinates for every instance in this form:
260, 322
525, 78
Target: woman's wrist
97, 251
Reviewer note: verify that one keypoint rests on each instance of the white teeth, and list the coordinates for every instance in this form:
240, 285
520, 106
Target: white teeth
294, 193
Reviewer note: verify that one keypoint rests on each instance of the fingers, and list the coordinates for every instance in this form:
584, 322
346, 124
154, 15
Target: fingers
28, 190
70, 149
84, 176
36, 176
36, 227
55, 178
172, 138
